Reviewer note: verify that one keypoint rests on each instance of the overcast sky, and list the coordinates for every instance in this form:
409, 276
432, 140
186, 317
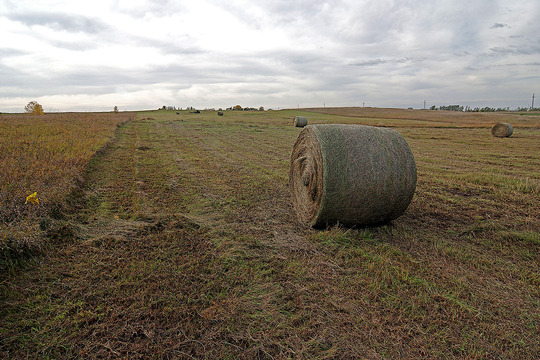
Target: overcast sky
140, 54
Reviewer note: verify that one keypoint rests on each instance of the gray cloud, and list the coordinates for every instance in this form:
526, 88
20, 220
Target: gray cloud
61, 22
342, 53
11, 52
374, 62
528, 49
12, 81
371, 62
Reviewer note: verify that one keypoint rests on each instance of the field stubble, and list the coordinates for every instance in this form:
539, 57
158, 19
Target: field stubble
45, 154
189, 249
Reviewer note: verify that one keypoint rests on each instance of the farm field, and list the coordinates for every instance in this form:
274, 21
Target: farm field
184, 245
45, 154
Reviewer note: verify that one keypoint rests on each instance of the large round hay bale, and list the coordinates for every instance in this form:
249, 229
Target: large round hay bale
502, 130
351, 175
300, 121
220, 113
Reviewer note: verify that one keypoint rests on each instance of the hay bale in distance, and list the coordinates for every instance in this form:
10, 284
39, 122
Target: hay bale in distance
502, 130
220, 113
351, 175
300, 121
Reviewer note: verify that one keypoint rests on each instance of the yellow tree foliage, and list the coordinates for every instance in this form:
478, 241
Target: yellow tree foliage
38, 109
33, 107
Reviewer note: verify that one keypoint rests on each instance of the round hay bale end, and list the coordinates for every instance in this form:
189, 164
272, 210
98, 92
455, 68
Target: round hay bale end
502, 130
299, 121
351, 175
220, 113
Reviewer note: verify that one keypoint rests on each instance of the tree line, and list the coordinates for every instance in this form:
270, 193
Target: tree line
479, 109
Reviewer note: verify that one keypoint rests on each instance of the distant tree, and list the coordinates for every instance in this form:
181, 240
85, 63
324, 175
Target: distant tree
38, 110
237, 107
116, 109
29, 108
261, 108
33, 107
451, 108
487, 109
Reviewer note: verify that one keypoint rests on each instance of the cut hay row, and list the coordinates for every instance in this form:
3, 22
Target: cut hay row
350, 174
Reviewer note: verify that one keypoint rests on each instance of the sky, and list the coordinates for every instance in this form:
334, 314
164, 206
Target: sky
71, 55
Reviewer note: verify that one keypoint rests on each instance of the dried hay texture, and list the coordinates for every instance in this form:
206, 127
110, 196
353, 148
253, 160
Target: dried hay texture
300, 121
351, 175
502, 130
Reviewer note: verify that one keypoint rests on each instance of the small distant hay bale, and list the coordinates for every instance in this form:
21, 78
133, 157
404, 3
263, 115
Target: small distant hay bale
220, 113
299, 121
502, 130
353, 175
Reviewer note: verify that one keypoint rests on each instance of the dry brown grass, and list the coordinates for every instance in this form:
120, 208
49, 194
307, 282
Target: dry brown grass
44, 154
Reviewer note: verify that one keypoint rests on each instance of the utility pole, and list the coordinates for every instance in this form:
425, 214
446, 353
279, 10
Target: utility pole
424, 104
364, 104
532, 105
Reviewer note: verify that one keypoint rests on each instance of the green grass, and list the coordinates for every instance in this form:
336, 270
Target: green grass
187, 247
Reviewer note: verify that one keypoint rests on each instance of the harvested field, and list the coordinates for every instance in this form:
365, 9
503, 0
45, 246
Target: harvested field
429, 118
186, 246
45, 154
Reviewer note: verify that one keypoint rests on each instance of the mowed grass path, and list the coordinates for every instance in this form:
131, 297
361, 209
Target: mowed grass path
188, 248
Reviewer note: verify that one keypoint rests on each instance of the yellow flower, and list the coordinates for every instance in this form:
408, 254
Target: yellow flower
32, 198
